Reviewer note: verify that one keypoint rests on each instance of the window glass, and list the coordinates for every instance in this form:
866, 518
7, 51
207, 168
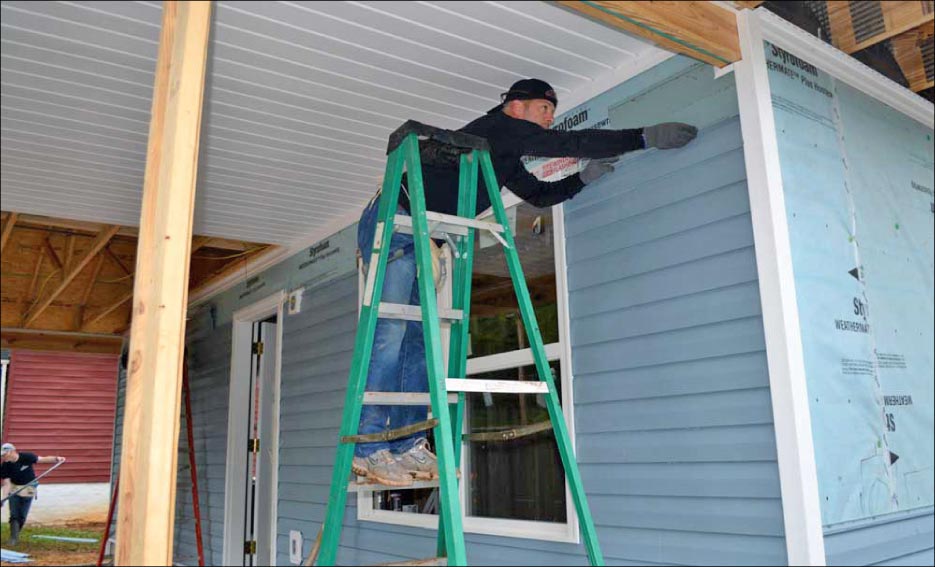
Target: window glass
520, 479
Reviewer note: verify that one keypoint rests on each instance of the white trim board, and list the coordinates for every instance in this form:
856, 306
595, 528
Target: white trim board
782, 331
238, 399
788, 392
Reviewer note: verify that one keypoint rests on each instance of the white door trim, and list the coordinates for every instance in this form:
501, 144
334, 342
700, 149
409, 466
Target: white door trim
237, 419
798, 478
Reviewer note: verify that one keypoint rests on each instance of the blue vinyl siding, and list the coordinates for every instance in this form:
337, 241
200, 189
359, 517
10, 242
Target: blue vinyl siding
904, 538
209, 354
673, 411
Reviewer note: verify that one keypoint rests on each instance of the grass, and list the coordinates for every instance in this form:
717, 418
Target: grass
28, 544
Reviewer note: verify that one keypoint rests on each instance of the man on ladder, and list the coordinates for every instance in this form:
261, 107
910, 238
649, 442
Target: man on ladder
517, 127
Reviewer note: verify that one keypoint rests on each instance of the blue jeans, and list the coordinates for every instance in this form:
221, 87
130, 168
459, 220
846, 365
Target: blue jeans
19, 509
397, 363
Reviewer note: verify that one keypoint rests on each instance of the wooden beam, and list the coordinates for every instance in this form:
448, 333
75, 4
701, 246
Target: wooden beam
199, 242
69, 250
102, 239
108, 310
113, 258
8, 230
907, 50
146, 515
53, 255
747, 5
858, 25
31, 295
700, 30
33, 339
79, 315
92, 228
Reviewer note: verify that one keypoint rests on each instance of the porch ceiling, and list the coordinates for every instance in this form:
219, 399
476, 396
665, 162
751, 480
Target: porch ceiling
299, 102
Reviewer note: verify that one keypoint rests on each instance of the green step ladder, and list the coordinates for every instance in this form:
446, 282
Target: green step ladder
447, 409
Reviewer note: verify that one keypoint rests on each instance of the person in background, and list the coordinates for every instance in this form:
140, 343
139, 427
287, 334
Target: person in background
16, 471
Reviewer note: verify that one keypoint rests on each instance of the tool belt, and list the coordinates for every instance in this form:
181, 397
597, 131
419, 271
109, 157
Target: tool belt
28, 492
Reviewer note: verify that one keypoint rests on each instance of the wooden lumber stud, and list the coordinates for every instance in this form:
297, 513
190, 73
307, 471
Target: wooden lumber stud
146, 511
701, 30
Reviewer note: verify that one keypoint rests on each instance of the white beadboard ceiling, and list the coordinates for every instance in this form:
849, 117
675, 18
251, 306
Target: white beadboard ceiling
300, 99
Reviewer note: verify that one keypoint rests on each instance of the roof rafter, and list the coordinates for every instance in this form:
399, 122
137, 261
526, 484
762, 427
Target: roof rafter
79, 316
99, 242
8, 230
108, 310
858, 25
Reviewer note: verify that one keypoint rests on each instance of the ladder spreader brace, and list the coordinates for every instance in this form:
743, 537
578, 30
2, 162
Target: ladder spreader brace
468, 152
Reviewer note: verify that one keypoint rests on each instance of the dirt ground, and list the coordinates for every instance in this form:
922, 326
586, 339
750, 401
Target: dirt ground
47, 552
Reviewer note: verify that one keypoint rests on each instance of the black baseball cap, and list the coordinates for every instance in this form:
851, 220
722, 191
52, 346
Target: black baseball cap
527, 89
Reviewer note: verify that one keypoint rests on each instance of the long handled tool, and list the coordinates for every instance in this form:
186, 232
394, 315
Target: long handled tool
33, 483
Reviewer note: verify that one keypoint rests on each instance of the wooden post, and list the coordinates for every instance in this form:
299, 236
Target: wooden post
146, 507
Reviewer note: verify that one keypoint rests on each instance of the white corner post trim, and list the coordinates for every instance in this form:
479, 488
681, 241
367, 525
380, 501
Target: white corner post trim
791, 417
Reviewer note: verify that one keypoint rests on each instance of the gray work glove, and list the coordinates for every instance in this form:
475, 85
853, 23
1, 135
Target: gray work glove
597, 168
668, 135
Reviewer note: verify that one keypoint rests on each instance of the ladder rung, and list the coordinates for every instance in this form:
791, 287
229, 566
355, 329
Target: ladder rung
371, 487
451, 224
418, 562
496, 386
414, 312
402, 399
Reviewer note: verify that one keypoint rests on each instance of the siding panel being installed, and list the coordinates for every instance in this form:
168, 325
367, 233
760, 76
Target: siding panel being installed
63, 404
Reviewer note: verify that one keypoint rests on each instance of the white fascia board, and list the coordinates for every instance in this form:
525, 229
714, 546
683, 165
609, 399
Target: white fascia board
798, 476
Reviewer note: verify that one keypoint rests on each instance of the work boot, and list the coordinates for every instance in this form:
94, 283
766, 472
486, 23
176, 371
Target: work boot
381, 468
419, 461
14, 532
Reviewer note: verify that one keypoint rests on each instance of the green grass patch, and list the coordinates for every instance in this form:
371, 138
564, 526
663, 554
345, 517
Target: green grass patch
29, 544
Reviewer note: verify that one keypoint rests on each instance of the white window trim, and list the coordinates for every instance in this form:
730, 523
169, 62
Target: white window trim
567, 532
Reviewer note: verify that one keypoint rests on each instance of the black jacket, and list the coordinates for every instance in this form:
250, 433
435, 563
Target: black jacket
510, 139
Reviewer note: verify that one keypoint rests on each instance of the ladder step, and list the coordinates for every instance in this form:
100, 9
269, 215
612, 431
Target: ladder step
402, 399
496, 386
414, 312
450, 224
419, 562
372, 487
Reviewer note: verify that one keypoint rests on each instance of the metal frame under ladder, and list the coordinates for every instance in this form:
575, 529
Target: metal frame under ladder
441, 146
196, 507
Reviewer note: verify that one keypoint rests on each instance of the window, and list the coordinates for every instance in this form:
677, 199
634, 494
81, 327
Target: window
514, 488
